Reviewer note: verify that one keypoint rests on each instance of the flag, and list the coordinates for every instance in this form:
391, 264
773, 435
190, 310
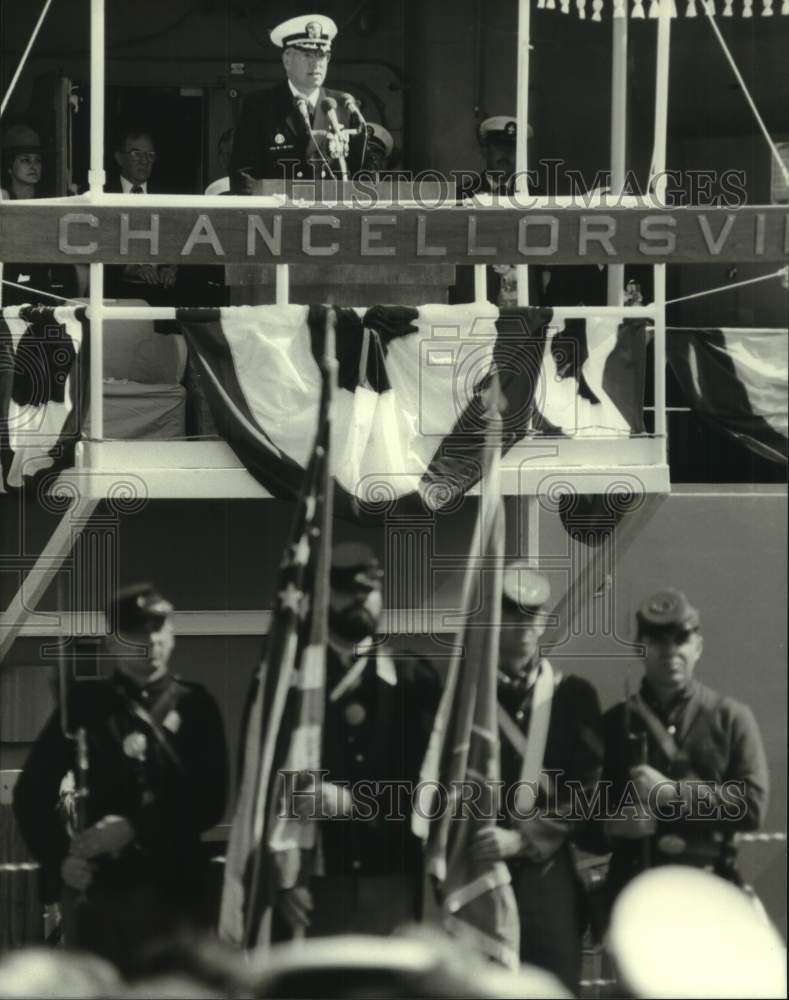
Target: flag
410, 383
267, 851
476, 899
43, 390
735, 380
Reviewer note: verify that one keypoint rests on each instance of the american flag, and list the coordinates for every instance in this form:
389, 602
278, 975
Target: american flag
267, 851
476, 899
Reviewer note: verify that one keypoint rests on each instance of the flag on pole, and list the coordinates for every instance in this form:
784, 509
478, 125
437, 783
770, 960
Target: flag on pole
476, 899
267, 850
43, 390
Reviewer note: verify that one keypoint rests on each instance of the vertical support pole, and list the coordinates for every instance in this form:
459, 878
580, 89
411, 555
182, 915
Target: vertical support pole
96, 315
480, 283
616, 272
97, 84
282, 287
521, 138
658, 177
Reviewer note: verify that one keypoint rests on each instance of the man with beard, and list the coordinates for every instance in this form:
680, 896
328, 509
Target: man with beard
130, 870
379, 714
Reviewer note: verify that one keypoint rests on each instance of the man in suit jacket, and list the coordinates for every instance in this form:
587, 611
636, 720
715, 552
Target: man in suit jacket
135, 155
284, 132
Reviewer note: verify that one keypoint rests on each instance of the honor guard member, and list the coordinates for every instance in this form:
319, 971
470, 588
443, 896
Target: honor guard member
551, 759
297, 130
378, 718
128, 855
380, 146
685, 767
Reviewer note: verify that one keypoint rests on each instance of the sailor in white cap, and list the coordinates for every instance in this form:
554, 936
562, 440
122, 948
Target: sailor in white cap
551, 748
299, 129
497, 137
380, 145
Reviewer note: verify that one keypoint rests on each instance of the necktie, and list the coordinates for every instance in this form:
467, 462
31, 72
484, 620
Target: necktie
137, 189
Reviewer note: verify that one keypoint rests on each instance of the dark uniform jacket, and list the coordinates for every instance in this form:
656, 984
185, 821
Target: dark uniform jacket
573, 752
720, 755
271, 139
170, 787
377, 734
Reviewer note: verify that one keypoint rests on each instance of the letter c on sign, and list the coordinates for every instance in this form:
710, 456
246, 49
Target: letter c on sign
76, 219
306, 235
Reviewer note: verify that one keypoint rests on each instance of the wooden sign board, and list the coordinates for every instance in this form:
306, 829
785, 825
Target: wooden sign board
324, 234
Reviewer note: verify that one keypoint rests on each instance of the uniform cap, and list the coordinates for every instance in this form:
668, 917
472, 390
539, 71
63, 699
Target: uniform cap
523, 586
380, 136
353, 564
21, 139
667, 609
501, 128
141, 607
312, 32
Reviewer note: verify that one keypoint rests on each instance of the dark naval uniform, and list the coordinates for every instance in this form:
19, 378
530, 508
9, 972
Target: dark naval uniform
374, 739
272, 141
719, 761
157, 758
547, 889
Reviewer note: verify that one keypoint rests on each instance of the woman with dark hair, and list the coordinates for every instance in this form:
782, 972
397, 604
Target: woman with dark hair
23, 164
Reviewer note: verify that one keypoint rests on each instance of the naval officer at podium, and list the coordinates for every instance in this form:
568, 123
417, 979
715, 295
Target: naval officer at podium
298, 129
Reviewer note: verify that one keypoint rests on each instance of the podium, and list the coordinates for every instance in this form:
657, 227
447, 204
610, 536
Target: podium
347, 284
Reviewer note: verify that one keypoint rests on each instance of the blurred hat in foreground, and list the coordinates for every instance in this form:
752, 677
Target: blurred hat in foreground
678, 931
423, 964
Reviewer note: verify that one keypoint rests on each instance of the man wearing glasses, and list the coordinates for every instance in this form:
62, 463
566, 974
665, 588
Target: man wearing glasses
286, 132
685, 767
135, 154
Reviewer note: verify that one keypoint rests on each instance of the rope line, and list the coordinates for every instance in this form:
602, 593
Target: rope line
782, 273
25, 54
40, 291
777, 156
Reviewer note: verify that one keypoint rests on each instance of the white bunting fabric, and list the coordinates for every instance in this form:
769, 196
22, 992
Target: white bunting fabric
411, 389
41, 398
604, 9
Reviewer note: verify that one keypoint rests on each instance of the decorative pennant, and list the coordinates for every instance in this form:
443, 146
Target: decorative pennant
581, 5
638, 8
565, 6
691, 11
727, 11
541, 4
747, 8
551, 4
768, 8
597, 6
654, 9
785, 8
619, 8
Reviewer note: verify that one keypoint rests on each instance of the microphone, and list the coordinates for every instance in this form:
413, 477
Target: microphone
301, 107
349, 101
329, 108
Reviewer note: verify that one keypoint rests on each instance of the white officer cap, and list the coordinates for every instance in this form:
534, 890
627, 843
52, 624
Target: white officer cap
678, 931
501, 128
311, 32
378, 134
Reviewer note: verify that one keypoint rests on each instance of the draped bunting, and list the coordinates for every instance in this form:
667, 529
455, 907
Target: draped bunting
43, 390
635, 9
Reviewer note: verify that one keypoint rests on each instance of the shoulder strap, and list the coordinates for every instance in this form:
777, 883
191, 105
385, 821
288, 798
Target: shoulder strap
532, 748
658, 731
